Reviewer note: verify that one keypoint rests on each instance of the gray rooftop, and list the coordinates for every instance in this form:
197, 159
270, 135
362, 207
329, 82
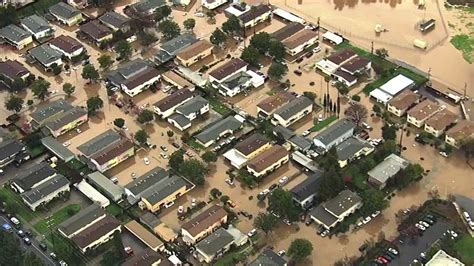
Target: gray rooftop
127, 71
36, 23
293, 107
146, 5
169, 49
345, 200
235, 80
49, 110
113, 18
335, 131
215, 242
57, 148
45, 189
146, 181
214, 131
81, 219
66, 118
112, 190
283, 132
164, 188
349, 147
389, 167
63, 10
99, 142
308, 187
45, 54
268, 258
9, 148
150, 220
180, 119
192, 106
14, 33
323, 215
29, 177
301, 142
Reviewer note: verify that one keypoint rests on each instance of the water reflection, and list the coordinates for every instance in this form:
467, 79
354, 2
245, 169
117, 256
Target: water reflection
340, 4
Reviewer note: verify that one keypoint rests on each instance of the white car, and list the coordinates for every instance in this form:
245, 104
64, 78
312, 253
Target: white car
15, 221
444, 154
375, 214
281, 253
425, 224
252, 232
367, 220
229, 181
78, 130
467, 217
265, 191
146, 160
306, 133
169, 204
325, 233
283, 180
180, 209
452, 233
393, 251
471, 225
317, 49
421, 227
199, 14
67, 143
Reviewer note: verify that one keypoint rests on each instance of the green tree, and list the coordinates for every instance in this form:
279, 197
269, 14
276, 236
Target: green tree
217, 37
189, 24
373, 200
331, 184
300, 249
376, 108
69, 89
281, 203
8, 15
119, 122
56, 69
385, 149
40, 88
17, 84
276, 71
261, 42
147, 38
356, 98
406, 176
162, 13
14, 103
89, 72
209, 156
169, 29
176, 159
276, 50
342, 88
141, 136
357, 113
389, 132
382, 52
170, 133
215, 192
232, 25
265, 222
194, 170
123, 49
310, 95
105, 61
225, 199
211, 16
330, 160
251, 56
145, 116
94, 103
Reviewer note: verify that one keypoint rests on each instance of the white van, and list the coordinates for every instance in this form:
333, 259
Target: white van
420, 44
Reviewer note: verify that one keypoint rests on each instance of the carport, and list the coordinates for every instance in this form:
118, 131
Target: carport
145, 236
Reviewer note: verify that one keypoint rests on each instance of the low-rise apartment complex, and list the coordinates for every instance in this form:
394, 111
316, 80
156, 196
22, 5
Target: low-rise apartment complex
203, 224
268, 161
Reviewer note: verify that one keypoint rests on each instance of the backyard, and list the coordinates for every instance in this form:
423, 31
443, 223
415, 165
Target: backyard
465, 248
323, 124
15, 204
57, 218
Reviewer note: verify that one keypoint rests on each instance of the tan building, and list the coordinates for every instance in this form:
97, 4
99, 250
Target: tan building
247, 149
268, 161
422, 111
195, 52
400, 104
164, 193
176, 80
269, 105
145, 236
300, 41
463, 130
437, 124
203, 224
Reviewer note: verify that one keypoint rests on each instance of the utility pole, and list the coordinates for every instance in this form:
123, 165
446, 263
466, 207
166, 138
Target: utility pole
429, 75
372, 47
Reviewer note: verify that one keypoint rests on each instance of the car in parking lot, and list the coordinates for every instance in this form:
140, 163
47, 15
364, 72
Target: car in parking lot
383, 259
164, 155
273, 187
163, 148
53, 256
176, 145
393, 251
21, 233
231, 204
425, 224
419, 226
27, 241
43, 246
324, 233
306, 133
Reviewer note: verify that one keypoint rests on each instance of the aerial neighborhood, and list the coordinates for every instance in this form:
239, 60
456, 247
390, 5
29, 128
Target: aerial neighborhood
217, 132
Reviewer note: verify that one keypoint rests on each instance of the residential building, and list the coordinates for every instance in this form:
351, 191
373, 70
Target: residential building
227, 70
283, 133
107, 150
9, 150
247, 149
400, 104
214, 245
176, 80
203, 224
441, 258
422, 112
268, 161
288, 16
58, 149
302, 159
254, 16
333, 38
300, 143
351, 149
96, 234
12, 70
292, 111
32, 177
385, 170
212, 4
45, 192
66, 14
330, 64
299, 41
189, 111
134, 77
46, 56
113, 191
145, 236
345, 78
305, 192
115, 21
146, 8
463, 130
335, 210
169, 49
267, 106
138, 187
268, 258
38, 26
194, 52
81, 220
357, 65
287, 31
182, 3
165, 107
164, 193
240, 82
79, 4
439, 122
158, 227
92, 194
58, 117
95, 32
334, 134
392, 88
148, 257
215, 131
16, 36
67, 46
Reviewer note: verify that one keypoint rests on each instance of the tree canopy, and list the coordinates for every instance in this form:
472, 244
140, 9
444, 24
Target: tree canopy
389, 132
119, 122
89, 72
68, 88
232, 25
145, 116
162, 13
105, 61
373, 200
40, 88
331, 184
261, 42
276, 71
251, 56
141, 136
169, 29
209, 156
300, 249
217, 37
94, 104
265, 222
12, 253
189, 24
123, 49
281, 203
14, 103
357, 113
276, 50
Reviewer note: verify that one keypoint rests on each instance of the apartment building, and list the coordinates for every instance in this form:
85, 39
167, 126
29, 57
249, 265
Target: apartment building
67, 46
203, 224
400, 104
134, 77
292, 111
334, 134
115, 21
268, 161
212, 4
351, 149
9, 150
300, 41
255, 16
387, 169
167, 106
97, 234
81, 220
46, 192
305, 192
46, 56
95, 32
439, 122
66, 14
168, 50
38, 26
227, 70
194, 53
164, 193
330, 213
16, 36
421, 112
189, 111
330, 64
460, 132
266, 107
215, 131
32, 177
247, 150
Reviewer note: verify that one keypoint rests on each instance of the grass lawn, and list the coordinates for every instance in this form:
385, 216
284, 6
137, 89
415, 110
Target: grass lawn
219, 107
323, 124
16, 204
465, 247
114, 209
57, 218
193, 143
465, 44
228, 259
417, 78
377, 60
76, 164
36, 151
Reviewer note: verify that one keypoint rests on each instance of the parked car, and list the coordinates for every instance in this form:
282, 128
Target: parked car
375, 214
15, 221
309, 222
317, 49
299, 60
393, 251
281, 253
298, 72
27, 241
325, 233
308, 55
367, 220
229, 181
421, 227
283, 180
425, 224
231, 204
128, 251
273, 187
146, 160
21, 233
306, 133
43, 246
252, 232
444, 154
176, 145
287, 222
53, 256
163, 148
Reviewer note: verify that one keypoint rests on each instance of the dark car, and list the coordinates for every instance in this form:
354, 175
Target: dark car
298, 72
308, 55
273, 187
21, 233
43, 246
28, 233
299, 60
176, 145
